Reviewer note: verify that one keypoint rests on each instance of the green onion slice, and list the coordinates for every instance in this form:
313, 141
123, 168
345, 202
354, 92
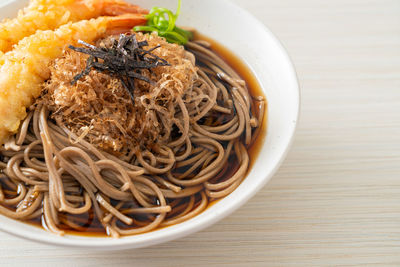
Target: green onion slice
162, 21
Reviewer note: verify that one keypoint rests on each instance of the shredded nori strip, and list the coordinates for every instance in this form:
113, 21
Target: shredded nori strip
125, 59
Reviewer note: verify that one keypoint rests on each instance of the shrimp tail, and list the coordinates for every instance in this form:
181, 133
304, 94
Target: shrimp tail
116, 7
124, 23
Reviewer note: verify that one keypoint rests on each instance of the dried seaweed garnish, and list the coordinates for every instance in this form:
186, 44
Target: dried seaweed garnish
125, 59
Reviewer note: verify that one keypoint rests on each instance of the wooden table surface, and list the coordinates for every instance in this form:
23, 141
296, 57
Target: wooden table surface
336, 199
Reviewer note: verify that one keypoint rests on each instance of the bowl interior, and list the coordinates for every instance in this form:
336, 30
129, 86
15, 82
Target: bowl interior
241, 33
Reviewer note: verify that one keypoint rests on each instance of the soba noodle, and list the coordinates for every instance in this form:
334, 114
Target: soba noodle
49, 173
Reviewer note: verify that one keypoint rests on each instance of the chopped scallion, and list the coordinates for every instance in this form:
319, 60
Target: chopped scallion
162, 21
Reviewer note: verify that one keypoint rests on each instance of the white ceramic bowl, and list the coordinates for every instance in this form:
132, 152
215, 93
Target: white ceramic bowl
240, 32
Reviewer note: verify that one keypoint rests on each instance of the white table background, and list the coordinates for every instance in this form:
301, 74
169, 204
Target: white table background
336, 199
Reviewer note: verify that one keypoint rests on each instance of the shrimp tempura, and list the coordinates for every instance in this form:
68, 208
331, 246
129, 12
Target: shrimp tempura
26, 67
51, 14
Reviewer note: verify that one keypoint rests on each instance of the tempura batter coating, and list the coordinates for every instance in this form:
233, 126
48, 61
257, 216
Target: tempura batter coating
51, 14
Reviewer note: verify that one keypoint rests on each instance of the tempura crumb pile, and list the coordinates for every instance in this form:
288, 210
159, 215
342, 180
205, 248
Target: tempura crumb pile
99, 109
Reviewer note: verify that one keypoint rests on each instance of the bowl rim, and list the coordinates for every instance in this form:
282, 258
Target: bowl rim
193, 225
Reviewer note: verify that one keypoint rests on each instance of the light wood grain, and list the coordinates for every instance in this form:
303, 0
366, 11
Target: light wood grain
336, 199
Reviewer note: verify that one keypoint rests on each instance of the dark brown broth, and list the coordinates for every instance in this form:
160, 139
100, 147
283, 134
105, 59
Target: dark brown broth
91, 227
